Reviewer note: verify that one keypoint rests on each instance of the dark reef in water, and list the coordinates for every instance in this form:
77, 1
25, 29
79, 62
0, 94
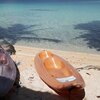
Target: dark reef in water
92, 34
18, 32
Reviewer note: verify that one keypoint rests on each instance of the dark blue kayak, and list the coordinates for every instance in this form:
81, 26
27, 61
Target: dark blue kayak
7, 72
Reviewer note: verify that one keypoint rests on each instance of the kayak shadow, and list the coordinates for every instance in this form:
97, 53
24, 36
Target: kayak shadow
28, 94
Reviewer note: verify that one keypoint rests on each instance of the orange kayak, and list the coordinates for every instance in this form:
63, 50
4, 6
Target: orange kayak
58, 74
7, 72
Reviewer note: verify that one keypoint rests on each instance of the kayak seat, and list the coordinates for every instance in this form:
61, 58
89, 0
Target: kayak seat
56, 67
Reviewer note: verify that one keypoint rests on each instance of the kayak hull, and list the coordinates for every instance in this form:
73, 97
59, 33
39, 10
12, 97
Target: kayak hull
58, 74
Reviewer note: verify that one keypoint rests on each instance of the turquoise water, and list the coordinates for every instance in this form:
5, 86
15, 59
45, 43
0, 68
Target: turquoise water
72, 26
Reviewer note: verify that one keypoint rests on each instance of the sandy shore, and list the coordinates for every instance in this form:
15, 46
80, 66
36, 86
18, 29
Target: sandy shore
33, 88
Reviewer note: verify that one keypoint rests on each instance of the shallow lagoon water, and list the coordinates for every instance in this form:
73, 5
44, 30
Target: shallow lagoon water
72, 26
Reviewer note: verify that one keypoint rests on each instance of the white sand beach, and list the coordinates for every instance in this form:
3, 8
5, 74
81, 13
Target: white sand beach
33, 88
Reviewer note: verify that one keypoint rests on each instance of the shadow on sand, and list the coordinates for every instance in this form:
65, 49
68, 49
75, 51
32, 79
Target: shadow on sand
24, 93
28, 94
18, 32
92, 34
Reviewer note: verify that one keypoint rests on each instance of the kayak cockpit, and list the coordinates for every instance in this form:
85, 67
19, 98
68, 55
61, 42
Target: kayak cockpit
55, 66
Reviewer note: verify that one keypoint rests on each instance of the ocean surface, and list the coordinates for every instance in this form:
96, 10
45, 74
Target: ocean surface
69, 26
